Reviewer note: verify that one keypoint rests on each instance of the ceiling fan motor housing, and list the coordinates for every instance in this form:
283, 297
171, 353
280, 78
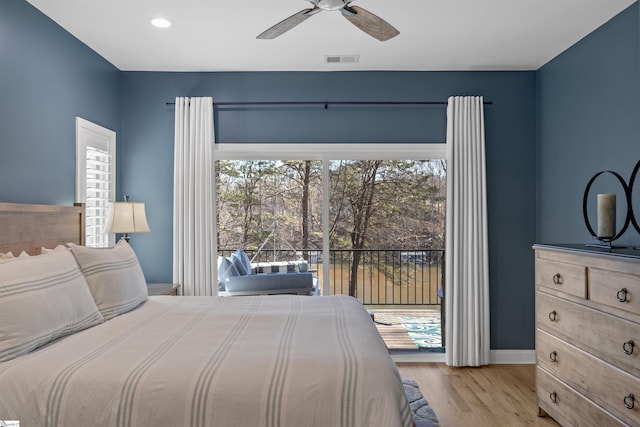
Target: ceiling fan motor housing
330, 4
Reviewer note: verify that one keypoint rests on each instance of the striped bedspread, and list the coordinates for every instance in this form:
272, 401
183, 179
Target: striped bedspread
213, 361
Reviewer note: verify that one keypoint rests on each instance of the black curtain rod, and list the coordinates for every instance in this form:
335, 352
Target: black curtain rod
327, 103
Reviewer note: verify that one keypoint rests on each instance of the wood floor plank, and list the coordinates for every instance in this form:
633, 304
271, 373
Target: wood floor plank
489, 396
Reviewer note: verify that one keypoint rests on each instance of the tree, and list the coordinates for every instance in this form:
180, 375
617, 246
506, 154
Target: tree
355, 190
302, 170
259, 198
241, 187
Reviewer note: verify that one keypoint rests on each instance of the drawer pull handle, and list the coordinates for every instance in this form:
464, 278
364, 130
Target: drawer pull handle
622, 295
628, 347
553, 356
553, 397
553, 316
629, 401
557, 279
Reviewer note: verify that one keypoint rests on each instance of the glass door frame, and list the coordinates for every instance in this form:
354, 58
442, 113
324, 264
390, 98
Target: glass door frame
325, 153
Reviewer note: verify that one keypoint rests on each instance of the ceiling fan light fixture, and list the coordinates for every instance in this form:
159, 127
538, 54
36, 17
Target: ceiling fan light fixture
160, 22
330, 4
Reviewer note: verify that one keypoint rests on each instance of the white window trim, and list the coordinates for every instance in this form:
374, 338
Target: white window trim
327, 152
307, 151
87, 131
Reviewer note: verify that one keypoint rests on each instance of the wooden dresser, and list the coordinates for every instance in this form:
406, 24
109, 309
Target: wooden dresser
588, 335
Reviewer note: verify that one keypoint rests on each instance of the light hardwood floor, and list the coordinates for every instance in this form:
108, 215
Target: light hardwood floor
492, 396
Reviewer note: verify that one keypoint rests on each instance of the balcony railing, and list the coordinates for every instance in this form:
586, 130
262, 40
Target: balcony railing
385, 277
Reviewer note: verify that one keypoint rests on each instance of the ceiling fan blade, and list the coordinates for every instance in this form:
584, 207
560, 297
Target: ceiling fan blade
286, 24
369, 23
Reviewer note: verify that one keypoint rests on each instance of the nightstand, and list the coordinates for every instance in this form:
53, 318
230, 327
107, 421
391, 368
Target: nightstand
163, 288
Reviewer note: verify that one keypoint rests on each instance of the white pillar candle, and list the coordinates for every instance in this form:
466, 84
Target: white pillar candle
606, 215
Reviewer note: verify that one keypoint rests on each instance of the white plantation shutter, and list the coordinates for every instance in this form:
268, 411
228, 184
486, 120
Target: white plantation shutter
95, 178
98, 194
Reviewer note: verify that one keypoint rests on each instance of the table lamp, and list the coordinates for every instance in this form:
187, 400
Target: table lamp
126, 217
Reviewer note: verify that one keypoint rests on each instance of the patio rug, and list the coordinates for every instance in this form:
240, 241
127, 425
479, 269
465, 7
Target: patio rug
423, 415
426, 332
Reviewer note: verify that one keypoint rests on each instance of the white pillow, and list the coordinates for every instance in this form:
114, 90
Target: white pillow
44, 250
41, 299
23, 254
114, 276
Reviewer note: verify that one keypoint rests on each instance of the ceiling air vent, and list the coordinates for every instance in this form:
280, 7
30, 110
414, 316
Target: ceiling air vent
341, 59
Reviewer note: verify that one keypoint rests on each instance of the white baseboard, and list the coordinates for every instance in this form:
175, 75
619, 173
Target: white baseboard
512, 357
496, 357
419, 357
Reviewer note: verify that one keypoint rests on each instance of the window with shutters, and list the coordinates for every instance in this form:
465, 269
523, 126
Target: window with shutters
95, 178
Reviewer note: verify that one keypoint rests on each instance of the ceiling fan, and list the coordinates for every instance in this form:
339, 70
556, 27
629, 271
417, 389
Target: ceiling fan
361, 18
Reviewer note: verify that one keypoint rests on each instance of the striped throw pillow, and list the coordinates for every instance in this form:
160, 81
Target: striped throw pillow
42, 298
114, 276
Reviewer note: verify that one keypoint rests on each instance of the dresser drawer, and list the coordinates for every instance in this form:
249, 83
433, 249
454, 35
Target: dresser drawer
608, 337
567, 406
604, 384
615, 289
568, 278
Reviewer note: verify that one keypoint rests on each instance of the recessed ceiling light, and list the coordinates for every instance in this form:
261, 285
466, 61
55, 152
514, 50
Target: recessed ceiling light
160, 22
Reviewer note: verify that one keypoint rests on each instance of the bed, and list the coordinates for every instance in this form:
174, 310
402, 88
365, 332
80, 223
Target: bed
282, 360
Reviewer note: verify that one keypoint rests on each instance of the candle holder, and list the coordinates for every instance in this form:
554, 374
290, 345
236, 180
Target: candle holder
632, 180
606, 242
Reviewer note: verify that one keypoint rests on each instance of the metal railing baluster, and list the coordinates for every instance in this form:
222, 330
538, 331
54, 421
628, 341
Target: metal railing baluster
388, 275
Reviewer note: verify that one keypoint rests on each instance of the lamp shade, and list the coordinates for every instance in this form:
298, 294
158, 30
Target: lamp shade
126, 217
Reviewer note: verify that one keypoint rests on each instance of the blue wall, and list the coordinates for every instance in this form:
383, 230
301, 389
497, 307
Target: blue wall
47, 78
587, 114
547, 133
145, 167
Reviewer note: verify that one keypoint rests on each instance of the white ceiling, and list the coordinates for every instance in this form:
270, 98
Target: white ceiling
220, 35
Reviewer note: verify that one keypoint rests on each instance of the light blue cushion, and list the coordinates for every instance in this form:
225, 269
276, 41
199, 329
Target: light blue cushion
241, 261
245, 260
226, 269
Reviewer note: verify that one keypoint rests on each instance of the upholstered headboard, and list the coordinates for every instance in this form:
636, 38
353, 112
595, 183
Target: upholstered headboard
26, 227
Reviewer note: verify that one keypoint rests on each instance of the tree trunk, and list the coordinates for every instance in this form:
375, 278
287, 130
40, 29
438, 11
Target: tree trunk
306, 179
362, 207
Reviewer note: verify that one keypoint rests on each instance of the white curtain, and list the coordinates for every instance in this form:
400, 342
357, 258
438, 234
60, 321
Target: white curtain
193, 203
467, 266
